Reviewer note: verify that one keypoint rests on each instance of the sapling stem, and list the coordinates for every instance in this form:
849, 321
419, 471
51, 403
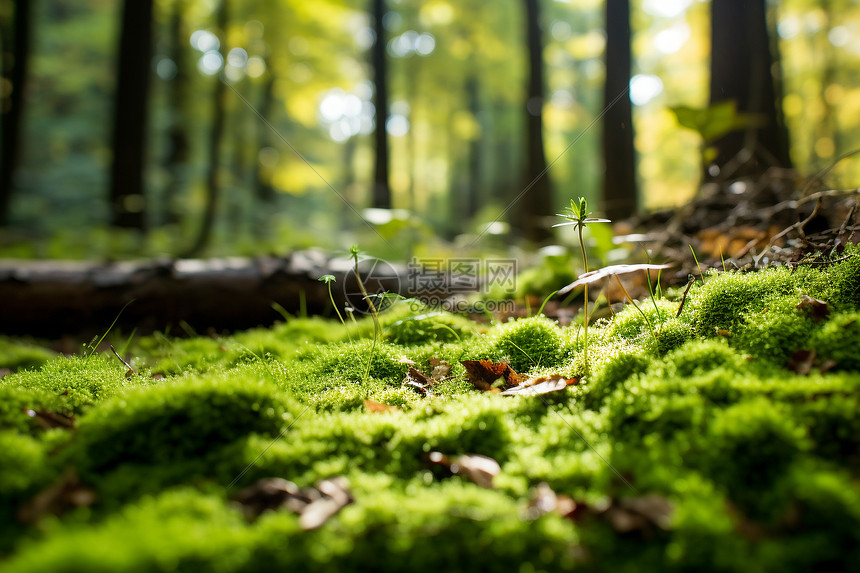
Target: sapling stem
328, 279
376, 328
579, 216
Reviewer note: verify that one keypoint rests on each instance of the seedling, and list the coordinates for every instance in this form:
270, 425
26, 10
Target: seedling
578, 216
328, 279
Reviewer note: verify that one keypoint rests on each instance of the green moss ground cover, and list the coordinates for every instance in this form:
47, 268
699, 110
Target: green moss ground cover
723, 438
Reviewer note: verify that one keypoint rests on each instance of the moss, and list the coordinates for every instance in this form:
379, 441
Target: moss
20, 355
725, 299
836, 341
844, 281
670, 335
630, 323
174, 421
530, 343
750, 446
776, 331
428, 327
610, 372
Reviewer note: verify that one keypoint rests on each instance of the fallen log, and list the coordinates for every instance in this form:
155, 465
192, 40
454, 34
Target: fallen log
53, 298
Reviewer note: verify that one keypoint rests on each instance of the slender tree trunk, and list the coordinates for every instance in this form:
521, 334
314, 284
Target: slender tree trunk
381, 189
619, 158
742, 63
179, 147
12, 107
476, 146
536, 204
219, 121
263, 184
127, 194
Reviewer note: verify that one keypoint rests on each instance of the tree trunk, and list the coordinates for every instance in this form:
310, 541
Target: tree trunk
12, 107
535, 201
219, 120
619, 159
127, 195
381, 190
263, 181
741, 69
179, 147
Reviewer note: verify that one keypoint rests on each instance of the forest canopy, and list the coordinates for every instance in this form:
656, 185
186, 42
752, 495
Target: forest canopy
259, 118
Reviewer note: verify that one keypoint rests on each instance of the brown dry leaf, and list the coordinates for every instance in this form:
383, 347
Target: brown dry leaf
314, 505
4, 372
801, 361
419, 381
441, 368
484, 373
374, 406
64, 494
818, 309
50, 420
479, 469
641, 515
541, 385
545, 500
267, 494
335, 496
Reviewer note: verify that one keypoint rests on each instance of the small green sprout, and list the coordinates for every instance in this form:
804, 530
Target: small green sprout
328, 279
578, 216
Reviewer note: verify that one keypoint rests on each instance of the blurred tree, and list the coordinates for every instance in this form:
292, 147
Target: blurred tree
381, 188
619, 159
127, 193
12, 99
219, 121
178, 141
536, 201
743, 68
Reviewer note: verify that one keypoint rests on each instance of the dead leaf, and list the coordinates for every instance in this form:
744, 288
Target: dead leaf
630, 514
335, 497
441, 368
314, 505
48, 420
420, 382
545, 500
374, 406
476, 468
404, 360
818, 309
541, 385
267, 494
63, 495
801, 361
4, 372
483, 374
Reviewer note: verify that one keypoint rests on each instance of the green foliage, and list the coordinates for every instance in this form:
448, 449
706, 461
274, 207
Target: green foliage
20, 355
758, 462
837, 339
428, 327
776, 331
175, 421
530, 343
722, 303
762, 440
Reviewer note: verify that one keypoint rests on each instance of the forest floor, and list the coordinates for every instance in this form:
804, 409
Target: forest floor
706, 428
